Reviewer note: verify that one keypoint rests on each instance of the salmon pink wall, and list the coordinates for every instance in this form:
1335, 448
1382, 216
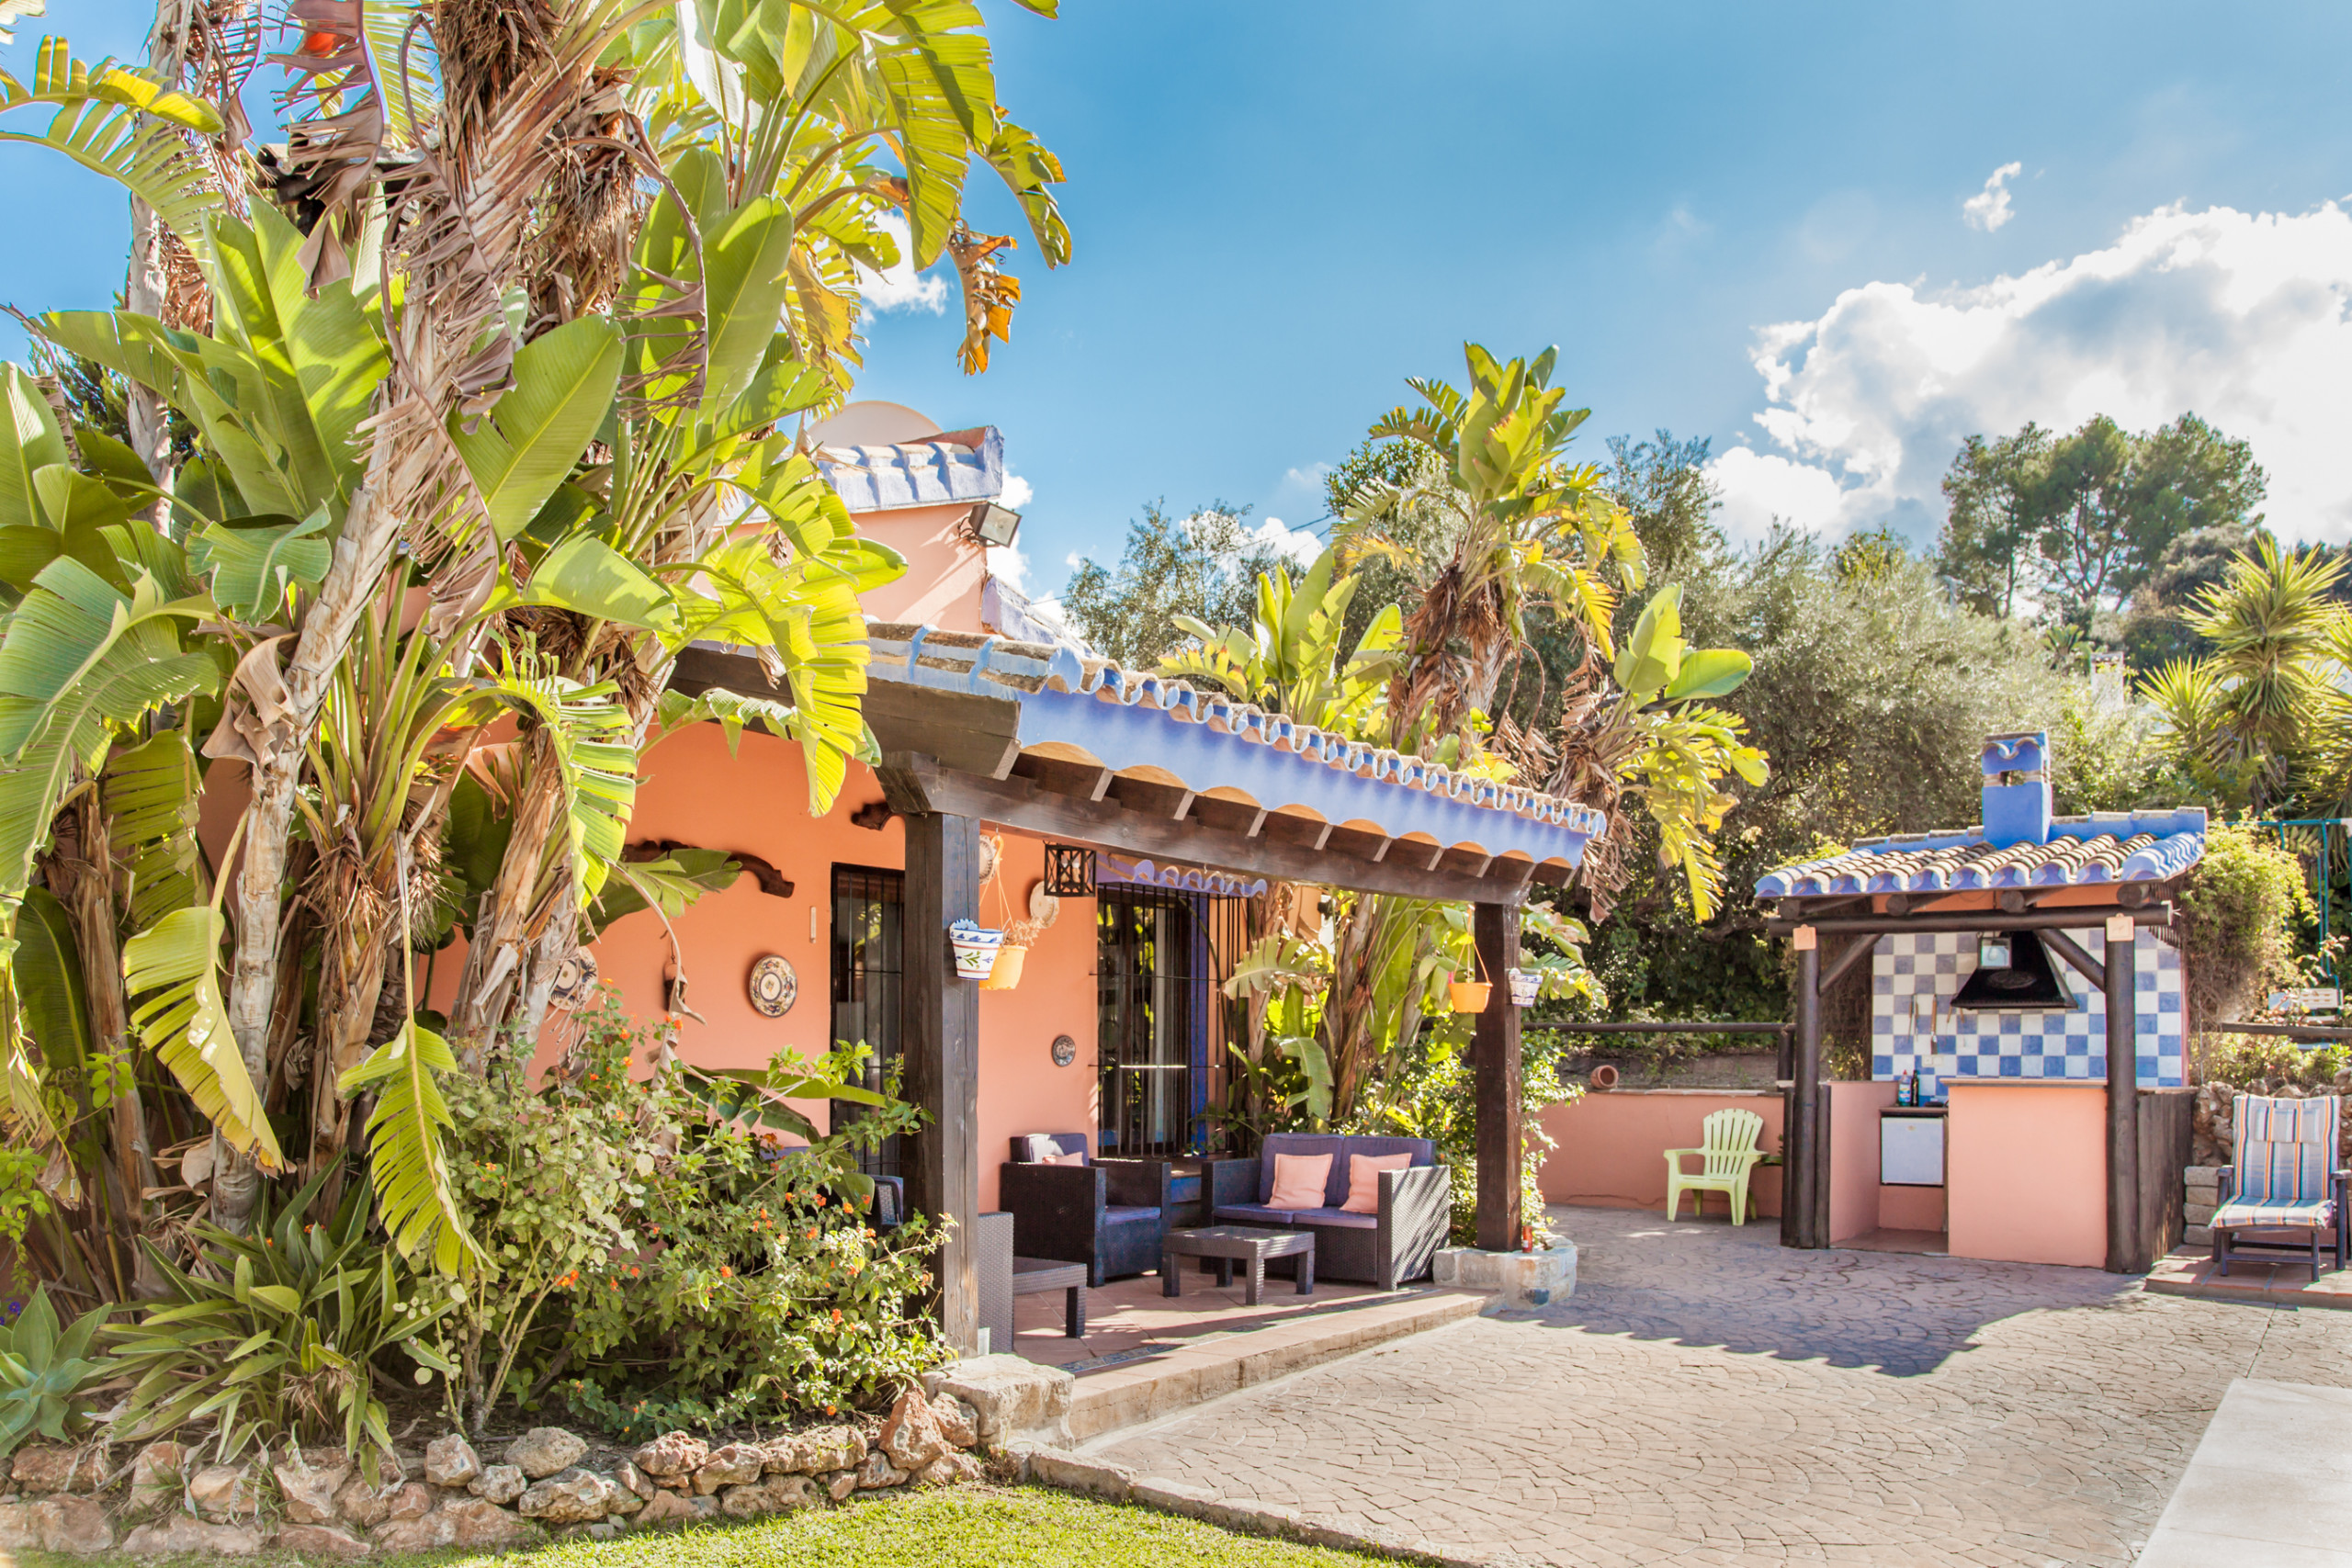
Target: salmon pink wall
1911, 1208
1853, 1156
1020, 1089
941, 587
1612, 1146
2028, 1171
756, 802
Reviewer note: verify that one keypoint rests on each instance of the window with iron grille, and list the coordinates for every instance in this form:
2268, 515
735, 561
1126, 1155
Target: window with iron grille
868, 962
1162, 958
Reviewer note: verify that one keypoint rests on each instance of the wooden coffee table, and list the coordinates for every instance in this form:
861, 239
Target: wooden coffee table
1228, 1245
1034, 1276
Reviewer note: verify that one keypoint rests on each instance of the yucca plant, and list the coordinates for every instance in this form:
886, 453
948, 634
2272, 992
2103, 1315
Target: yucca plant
44, 1370
280, 1335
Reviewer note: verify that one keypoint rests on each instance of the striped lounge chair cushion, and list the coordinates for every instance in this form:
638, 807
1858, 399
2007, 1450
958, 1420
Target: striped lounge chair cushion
2283, 1212
2286, 1150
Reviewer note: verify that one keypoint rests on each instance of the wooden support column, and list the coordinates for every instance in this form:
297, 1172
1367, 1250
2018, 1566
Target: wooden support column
1495, 1072
2123, 1256
1803, 1187
940, 1043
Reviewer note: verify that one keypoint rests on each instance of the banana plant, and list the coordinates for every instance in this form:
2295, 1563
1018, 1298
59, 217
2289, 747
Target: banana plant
1287, 661
1527, 528
1658, 737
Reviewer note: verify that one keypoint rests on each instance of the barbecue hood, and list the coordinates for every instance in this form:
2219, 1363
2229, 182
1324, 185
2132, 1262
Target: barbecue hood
2014, 974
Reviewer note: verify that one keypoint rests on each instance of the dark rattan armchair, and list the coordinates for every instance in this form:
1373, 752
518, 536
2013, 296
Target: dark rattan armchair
1108, 1214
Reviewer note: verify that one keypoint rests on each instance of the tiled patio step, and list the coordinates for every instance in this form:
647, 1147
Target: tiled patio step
2266, 1280
1158, 1385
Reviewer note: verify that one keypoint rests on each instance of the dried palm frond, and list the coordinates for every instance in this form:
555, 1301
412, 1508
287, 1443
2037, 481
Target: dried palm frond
990, 295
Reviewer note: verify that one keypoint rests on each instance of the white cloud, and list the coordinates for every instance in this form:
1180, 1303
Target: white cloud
1009, 564
1989, 208
902, 287
2244, 318
1298, 544
1017, 493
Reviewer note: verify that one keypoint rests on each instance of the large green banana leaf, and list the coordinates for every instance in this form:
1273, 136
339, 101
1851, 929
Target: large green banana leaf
176, 966
530, 441
79, 662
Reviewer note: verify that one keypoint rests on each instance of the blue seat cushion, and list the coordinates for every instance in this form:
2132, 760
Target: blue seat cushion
1338, 1218
1114, 1218
1184, 1188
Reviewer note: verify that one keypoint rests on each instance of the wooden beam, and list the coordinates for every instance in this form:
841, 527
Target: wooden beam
1258, 823
1102, 784
919, 784
1847, 960
1495, 1080
939, 1035
1382, 853
1800, 1124
2092, 969
2124, 1239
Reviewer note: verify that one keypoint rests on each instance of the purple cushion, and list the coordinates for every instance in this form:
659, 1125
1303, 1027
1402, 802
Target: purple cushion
1114, 1216
1335, 1217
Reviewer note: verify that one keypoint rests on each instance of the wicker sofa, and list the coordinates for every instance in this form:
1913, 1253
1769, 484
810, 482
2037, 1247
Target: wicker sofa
1387, 1248
1108, 1214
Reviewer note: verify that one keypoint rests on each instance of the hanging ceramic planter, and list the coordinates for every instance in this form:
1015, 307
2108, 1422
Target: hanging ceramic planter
1005, 973
1470, 994
1524, 984
975, 947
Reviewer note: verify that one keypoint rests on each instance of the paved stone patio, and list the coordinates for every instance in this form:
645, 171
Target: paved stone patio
1709, 1397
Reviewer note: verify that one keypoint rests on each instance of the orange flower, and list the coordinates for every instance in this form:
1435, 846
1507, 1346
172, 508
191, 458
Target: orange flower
812, 1232
837, 1317
820, 1200
725, 1272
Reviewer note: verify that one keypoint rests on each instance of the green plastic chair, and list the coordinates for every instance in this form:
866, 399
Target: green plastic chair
1732, 1150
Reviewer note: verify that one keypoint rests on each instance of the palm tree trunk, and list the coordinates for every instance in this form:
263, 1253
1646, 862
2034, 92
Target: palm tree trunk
287, 710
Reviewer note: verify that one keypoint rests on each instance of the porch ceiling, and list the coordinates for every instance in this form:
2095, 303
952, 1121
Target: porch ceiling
1035, 738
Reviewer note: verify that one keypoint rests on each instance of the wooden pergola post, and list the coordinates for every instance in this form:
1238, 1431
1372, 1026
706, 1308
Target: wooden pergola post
1803, 1188
2123, 1249
940, 1044
1495, 1077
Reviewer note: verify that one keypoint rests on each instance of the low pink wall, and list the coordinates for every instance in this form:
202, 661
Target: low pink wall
2027, 1173
1911, 1208
1853, 1156
1610, 1152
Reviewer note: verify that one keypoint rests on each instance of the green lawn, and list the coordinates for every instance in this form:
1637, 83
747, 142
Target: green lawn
963, 1526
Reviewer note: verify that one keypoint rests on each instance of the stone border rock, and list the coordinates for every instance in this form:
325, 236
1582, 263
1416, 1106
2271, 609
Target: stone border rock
316, 1502
1116, 1483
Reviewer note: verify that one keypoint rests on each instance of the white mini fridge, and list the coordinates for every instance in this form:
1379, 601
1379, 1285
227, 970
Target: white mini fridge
1911, 1148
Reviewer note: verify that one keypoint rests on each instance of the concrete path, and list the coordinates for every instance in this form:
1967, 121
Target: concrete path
1708, 1397
2269, 1487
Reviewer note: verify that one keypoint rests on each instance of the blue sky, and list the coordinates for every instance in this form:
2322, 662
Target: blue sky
1281, 209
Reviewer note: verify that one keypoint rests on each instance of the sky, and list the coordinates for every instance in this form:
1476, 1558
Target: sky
1834, 239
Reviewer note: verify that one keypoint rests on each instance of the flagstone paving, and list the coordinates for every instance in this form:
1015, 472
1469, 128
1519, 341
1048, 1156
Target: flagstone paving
1709, 1397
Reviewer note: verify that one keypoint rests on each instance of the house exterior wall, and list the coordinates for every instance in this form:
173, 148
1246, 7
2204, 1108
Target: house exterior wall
1914, 976
944, 570
1611, 1147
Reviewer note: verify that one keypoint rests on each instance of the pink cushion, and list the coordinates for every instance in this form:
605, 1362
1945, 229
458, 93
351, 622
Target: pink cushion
1299, 1181
1364, 1179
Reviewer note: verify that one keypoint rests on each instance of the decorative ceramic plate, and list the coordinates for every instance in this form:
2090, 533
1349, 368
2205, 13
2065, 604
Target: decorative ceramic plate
773, 987
1064, 1050
575, 979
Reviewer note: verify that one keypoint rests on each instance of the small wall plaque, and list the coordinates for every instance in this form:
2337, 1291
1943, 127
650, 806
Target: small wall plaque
774, 986
1064, 1050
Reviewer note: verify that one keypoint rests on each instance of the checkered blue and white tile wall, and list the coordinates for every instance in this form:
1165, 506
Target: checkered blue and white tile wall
1916, 975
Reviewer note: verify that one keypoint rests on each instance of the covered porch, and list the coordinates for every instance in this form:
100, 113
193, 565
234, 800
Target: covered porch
1181, 800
